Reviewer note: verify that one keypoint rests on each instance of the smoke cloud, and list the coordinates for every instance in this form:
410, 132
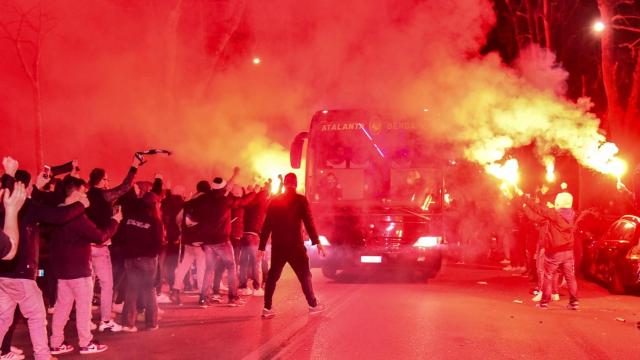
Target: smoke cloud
120, 76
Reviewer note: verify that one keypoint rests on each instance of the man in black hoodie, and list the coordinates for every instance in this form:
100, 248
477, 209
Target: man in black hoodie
102, 199
17, 277
143, 236
71, 256
285, 216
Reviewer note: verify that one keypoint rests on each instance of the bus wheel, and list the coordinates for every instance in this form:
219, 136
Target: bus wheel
330, 272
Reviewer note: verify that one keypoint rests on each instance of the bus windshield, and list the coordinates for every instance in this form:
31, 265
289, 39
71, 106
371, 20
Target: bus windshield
354, 162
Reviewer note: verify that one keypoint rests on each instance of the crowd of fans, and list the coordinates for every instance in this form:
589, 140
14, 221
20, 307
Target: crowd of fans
131, 239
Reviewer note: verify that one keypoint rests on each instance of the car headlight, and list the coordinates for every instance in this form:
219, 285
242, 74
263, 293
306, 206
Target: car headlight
428, 241
634, 253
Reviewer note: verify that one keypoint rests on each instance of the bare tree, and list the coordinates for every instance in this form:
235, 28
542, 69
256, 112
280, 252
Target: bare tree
26, 30
620, 42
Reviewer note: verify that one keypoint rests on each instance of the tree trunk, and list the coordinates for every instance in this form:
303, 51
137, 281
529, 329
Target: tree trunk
631, 115
546, 15
615, 111
532, 22
37, 99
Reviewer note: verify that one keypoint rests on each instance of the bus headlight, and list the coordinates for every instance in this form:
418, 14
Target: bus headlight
428, 241
323, 240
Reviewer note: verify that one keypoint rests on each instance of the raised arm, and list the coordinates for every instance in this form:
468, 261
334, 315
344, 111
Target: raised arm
93, 234
111, 195
12, 204
547, 213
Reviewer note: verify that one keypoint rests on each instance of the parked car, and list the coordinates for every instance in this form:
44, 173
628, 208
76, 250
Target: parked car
614, 258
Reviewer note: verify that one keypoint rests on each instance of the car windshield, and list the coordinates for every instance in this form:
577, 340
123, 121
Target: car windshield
621, 230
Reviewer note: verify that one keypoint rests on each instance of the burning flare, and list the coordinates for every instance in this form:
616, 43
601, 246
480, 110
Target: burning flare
509, 174
550, 166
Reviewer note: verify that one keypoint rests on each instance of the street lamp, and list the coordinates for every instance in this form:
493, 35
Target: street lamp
256, 60
598, 26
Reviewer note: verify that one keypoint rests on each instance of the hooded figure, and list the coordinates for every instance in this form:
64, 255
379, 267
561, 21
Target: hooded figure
558, 245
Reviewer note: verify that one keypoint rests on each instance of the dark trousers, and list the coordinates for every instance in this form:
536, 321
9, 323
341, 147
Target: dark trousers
170, 264
299, 262
141, 276
119, 275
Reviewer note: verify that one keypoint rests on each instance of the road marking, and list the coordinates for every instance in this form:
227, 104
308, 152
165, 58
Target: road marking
287, 337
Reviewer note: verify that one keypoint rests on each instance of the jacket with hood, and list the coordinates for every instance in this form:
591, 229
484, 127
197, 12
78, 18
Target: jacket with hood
30, 217
558, 225
71, 246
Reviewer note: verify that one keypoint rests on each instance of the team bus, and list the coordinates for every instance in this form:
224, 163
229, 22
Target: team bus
377, 191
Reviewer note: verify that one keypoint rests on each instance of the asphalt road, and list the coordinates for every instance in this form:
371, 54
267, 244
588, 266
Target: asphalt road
465, 312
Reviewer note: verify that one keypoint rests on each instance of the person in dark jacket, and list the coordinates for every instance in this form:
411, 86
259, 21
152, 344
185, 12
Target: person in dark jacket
171, 206
558, 247
71, 256
216, 236
285, 216
192, 238
102, 199
143, 236
17, 277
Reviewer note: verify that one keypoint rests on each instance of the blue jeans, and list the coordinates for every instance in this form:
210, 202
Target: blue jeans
249, 268
563, 261
220, 254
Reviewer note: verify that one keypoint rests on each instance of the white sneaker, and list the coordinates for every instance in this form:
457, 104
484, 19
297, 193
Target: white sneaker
163, 299
129, 329
505, 262
110, 325
93, 348
555, 297
12, 356
16, 350
245, 292
508, 268
268, 313
316, 309
538, 297
117, 308
62, 349
258, 292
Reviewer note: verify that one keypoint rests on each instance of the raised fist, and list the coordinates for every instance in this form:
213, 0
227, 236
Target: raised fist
10, 165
